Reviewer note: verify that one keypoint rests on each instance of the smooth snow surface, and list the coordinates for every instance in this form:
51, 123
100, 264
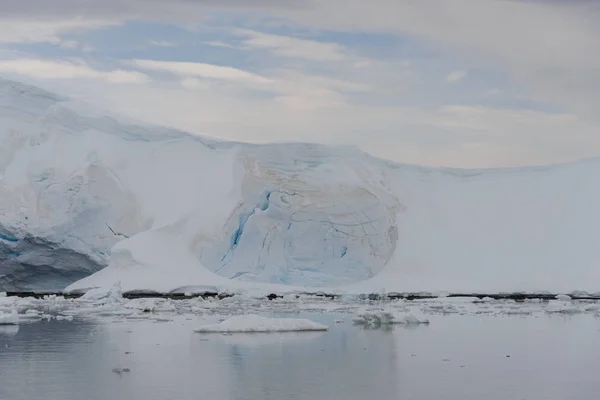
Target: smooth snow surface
255, 323
166, 211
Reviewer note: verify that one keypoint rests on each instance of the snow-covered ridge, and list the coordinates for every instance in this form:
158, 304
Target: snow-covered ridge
165, 210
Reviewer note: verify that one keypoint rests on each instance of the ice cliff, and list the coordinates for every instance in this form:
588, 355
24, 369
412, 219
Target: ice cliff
81, 190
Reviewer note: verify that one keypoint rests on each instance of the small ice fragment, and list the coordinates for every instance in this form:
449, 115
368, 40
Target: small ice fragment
564, 307
563, 297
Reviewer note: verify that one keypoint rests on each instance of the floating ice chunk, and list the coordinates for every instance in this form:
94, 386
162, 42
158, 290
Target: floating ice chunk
388, 318
9, 319
256, 323
104, 294
565, 307
120, 370
592, 307
64, 318
2, 294
31, 314
563, 297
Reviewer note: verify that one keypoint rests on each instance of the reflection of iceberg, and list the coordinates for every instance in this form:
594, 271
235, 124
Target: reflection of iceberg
275, 339
9, 330
166, 210
343, 364
258, 324
390, 318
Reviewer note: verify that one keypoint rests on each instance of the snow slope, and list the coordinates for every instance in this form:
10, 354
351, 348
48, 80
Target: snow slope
164, 210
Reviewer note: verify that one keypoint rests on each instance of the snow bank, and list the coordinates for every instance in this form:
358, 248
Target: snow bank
255, 323
88, 200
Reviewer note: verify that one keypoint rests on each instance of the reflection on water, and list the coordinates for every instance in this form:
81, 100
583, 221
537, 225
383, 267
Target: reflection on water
455, 357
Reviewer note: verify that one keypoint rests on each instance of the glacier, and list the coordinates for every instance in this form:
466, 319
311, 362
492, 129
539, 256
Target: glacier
89, 199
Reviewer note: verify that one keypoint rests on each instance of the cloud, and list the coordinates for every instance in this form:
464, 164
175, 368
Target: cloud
122, 10
290, 88
494, 92
202, 70
47, 69
69, 44
456, 76
292, 47
219, 44
549, 47
328, 91
48, 31
162, 43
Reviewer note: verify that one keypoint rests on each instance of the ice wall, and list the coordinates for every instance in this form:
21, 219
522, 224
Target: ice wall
308, 216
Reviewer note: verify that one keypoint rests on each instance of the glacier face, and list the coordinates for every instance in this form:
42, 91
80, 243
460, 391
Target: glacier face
88, 200
306, 218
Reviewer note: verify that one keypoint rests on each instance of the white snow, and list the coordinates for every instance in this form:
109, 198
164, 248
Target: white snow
9, 319
170, 212
253, 323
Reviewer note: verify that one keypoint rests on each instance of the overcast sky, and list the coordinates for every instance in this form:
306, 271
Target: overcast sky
436, 82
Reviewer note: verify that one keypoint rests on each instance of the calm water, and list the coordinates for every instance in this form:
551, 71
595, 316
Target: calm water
456, 357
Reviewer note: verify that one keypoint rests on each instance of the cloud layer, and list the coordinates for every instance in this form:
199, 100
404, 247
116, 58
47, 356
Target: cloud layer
452, 82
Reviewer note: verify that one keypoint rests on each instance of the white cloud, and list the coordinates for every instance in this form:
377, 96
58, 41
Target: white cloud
292, 88
48, 31
194, 84
219, 44
69, 44
202, 70
550, 48
47, 69
456, 76
292, 47
552, 51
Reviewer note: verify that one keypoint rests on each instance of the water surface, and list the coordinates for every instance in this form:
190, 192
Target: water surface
455, 357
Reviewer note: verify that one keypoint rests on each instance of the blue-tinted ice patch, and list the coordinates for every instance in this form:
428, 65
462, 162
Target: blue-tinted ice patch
8, 238
304, 242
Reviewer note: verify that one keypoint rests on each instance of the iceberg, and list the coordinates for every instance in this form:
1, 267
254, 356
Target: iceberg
89, 200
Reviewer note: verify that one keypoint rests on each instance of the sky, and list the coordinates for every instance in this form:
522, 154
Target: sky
462, 83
